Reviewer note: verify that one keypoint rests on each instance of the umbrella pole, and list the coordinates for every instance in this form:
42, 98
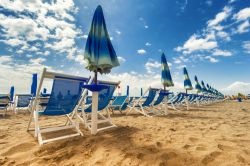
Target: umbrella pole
94, 109
166, 103
187, 103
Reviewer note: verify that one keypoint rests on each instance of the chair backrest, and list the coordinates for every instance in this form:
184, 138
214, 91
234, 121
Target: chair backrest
119, 101
23, 100
4, 100
65, 94
151, 95
161, 96
104, 96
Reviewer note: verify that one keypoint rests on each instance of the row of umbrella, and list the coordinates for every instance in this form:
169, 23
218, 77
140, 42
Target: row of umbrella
168, 82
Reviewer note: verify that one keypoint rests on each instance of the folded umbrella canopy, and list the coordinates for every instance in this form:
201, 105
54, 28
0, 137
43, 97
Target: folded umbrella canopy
99, 52
166, 78
187, 82
197, 85
204, 89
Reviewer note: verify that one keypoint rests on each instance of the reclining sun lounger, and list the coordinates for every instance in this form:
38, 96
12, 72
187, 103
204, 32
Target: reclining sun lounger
142, 107
64, 99
120, 103
4, 103
22, 101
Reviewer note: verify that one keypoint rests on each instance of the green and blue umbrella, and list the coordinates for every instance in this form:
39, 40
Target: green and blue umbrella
166, 78
204, 89
99, 52
197, 85
187, 82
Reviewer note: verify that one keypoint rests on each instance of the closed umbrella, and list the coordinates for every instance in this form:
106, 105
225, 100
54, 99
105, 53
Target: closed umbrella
100, 56
187, 85
166, 78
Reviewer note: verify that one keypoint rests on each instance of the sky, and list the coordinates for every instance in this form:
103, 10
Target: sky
209, 37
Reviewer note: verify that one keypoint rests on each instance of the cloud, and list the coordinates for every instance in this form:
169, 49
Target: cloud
148, 44
5, 59
218, 52
237, 87
141, 51
243, 14
118, 32
151, 64
37, 60
246, 46
85, 36
196, 43
146, 26
121, 59
220, 17
211, 59
243, 28
223, 35
39, 26
209, 2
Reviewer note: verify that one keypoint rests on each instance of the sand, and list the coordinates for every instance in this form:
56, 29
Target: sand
218, 134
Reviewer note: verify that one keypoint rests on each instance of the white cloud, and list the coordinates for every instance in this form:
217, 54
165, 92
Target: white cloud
209, 2
37, 60
151, 64
243, 14
243, 28
5, 59
194, 43
85, 36
121, 59
246, 46
218, 52
211, 59
237, 87
141, 51
224, 35
220, 16
146, 27
148, 44
118, 32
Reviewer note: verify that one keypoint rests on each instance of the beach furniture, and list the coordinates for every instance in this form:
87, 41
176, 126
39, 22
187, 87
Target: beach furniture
65, 98
4, 103
103, 120
141, 106
22, 101
161, 102
120, 103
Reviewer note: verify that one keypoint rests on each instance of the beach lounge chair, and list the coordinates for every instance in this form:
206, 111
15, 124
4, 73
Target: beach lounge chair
104, 121
4, 103
65, 94
120, 103
143, 107
22, 101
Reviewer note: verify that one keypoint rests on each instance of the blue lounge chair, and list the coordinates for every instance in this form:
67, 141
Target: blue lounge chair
120, 103
142, 107
104, 98
22, 101
64, 99
4, 103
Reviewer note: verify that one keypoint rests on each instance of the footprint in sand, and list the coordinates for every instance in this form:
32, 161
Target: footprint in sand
210, 157
19, 148
193, 139
224, 147
168, 156
201, 148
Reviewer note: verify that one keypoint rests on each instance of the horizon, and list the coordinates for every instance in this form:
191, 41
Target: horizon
210, 38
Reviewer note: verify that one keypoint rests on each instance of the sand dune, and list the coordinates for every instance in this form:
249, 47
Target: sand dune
212, 135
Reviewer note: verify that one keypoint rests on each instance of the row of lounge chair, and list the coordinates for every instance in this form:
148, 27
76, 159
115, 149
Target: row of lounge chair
68, 98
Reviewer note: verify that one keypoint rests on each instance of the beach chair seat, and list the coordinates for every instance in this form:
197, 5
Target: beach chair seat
4, 103
104, 120
64, 100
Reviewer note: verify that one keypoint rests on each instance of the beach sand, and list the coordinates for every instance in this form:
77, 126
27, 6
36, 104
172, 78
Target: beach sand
218, 134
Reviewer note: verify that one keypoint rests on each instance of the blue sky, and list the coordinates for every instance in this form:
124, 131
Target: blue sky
210, 37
